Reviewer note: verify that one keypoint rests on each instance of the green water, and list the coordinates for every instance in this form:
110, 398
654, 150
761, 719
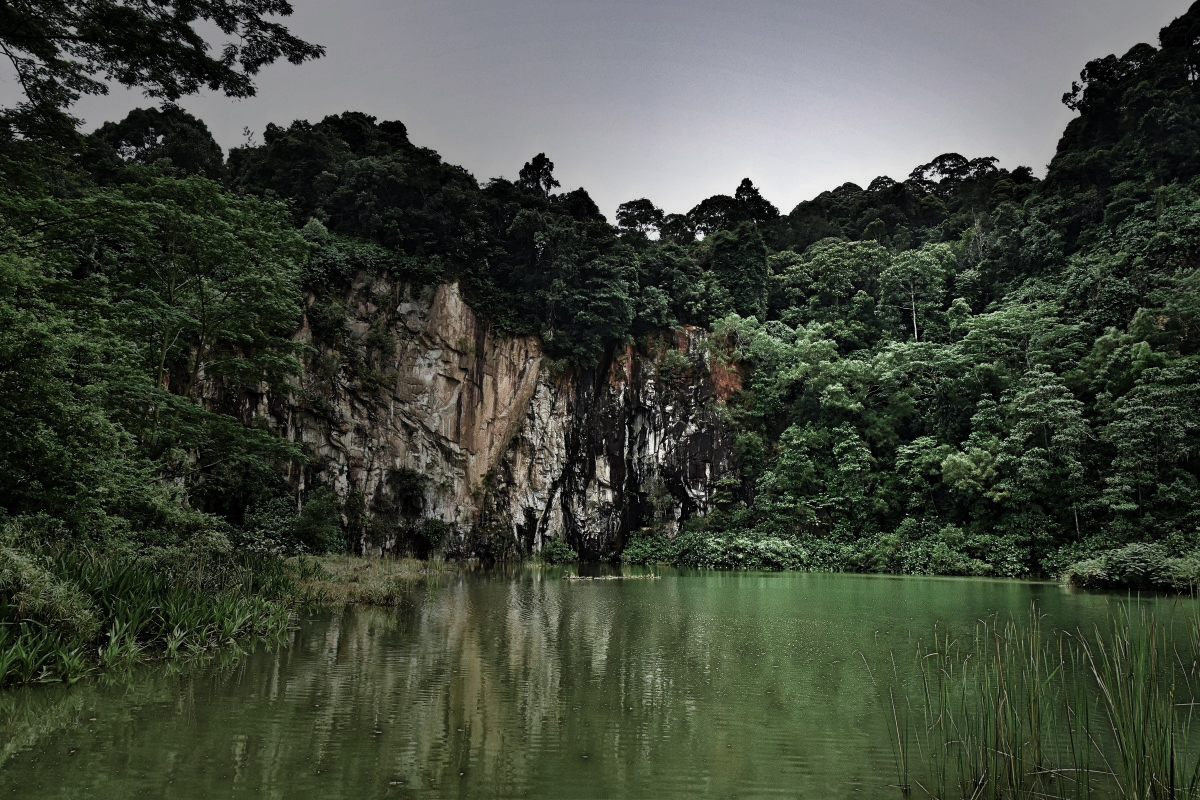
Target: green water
521, 684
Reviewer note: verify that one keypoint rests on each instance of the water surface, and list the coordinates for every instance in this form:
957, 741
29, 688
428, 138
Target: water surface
521, 684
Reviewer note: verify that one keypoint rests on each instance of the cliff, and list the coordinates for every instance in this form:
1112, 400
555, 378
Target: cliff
434, 431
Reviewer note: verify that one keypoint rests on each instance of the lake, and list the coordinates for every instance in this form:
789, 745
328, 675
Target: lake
518, 683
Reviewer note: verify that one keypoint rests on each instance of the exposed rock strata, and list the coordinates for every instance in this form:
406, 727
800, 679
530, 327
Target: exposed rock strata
506, 447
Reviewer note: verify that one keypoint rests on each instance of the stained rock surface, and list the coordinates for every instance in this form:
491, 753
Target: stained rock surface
435, 431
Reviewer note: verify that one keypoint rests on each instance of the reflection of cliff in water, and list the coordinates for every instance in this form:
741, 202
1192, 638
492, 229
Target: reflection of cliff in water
518, 682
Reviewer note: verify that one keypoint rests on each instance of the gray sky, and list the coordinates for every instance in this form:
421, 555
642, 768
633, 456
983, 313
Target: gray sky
677, 100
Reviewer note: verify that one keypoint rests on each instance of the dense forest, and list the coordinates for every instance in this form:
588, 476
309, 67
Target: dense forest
970, 371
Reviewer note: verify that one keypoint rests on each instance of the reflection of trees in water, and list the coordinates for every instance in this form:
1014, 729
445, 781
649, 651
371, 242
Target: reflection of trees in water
511, 681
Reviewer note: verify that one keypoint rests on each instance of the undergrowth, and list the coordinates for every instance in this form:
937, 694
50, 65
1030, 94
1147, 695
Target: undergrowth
67, 613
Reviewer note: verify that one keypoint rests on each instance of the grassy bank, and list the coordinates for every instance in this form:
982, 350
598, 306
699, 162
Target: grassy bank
338, 580
66, 614
1016, 711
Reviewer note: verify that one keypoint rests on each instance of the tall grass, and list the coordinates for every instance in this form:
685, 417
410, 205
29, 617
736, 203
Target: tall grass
64, 614
338, 580
1014, 711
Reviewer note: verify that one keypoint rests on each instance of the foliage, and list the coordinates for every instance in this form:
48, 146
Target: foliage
168, 139
649, 547
273, 527
61, 49
557, 551
968, 371
1136, 566
65, 613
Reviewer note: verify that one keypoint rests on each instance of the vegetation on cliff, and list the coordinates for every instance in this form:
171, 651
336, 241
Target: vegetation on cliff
971, 371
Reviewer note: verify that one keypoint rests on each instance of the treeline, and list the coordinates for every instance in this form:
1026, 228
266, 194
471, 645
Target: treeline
971, 371
974, 372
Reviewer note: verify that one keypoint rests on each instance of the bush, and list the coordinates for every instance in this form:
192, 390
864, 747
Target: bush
557, 551
319, 526
1136, 566
428, 535
915, 549
740, 551
65, 613
649, 547
274, 527
30, 591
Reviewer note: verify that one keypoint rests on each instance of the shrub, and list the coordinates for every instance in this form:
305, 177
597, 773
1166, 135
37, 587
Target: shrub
63, 613
274, 527
650, 547
1136, 566
740, 551
319, 528
557, 551
30, 591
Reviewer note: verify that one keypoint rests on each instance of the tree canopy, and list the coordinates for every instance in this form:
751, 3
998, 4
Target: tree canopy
61, 49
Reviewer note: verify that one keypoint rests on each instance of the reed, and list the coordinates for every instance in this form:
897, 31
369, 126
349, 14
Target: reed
354, 580
1012, 710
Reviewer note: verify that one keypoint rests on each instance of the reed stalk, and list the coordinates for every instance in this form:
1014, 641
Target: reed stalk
1019, 711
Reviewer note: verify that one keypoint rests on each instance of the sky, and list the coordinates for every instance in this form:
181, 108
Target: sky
678, 100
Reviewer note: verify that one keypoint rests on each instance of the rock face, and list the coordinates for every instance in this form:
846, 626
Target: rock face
433, 431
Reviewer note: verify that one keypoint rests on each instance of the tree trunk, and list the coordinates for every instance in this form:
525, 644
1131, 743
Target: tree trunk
913, 297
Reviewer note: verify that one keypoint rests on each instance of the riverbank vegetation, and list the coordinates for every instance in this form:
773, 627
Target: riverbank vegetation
68, 612
970, 371
1016, 711
340, 580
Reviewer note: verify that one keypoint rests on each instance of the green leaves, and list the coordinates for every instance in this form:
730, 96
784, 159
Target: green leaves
913, 287
209, 282
115, 306
61, 49
738, 263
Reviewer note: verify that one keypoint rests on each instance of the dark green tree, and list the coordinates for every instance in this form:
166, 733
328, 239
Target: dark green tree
738, 264
640, 217
167, 136
538, 175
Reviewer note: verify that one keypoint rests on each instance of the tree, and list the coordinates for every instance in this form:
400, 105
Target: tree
1154, 435
752, 204
717, 213
579, 205
829, 274
639, 216
1043, 454
209, 282
152, 136
672, 272
538, 175
61, 49
677, 228
915, 282
739, 264
61, 455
